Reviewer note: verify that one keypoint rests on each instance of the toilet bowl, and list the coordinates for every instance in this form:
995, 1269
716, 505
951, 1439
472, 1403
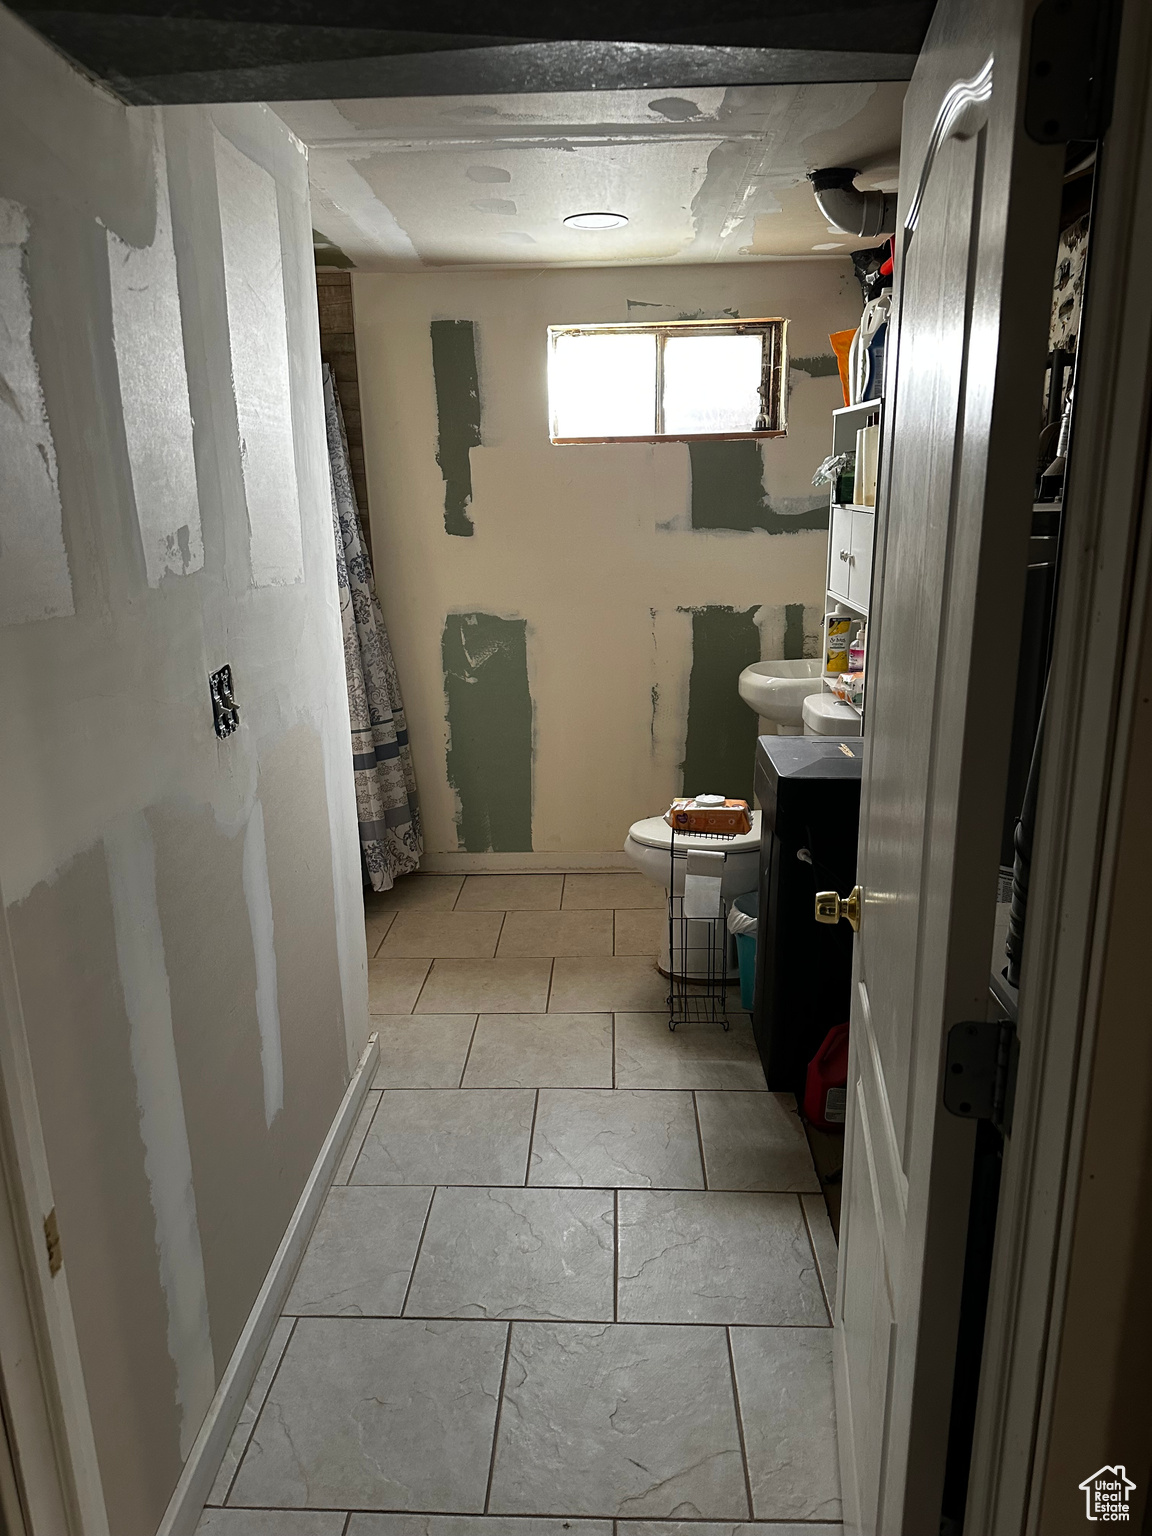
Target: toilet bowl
649, 846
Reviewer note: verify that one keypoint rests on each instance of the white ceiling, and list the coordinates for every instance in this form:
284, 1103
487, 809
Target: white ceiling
718, 174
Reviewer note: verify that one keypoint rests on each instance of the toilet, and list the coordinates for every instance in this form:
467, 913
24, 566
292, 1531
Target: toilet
826, 715
649, 846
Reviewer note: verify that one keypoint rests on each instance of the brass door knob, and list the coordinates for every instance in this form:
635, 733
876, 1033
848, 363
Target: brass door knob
831, 907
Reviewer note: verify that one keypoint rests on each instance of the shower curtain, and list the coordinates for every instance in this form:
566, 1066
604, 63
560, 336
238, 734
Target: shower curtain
391, 840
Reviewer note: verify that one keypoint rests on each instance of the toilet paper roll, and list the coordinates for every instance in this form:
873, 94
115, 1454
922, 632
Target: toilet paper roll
702, 881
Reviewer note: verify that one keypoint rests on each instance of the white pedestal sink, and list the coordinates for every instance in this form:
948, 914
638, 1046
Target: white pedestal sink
776, 691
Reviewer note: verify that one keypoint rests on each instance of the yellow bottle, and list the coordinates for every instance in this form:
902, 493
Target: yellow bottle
836, 643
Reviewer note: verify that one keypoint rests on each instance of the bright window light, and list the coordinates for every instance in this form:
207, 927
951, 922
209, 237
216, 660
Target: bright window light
712, 383
603, 385
683, 379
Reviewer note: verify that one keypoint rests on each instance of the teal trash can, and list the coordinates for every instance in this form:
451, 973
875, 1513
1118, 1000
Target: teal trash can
742, 925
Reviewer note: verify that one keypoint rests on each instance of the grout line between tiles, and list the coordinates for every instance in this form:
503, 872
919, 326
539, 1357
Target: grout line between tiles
256, 1416
423, 984
419, 1248
545, 1317
380, 940
675, 1189
700, 1140
739, 1423
828, 1303
499, 934
573, 1087
551, 974
576, 1522
531, 1138
363, 1139
615, 1255
496, 1426
344, 1529
468, 1052
613, 1048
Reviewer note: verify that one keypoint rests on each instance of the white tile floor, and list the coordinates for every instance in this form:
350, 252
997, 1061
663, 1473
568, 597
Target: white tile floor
573, 1274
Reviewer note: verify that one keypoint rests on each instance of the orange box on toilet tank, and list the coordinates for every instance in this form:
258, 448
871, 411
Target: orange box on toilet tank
728, 820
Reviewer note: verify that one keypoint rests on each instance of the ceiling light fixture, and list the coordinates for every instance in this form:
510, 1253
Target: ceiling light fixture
596, 220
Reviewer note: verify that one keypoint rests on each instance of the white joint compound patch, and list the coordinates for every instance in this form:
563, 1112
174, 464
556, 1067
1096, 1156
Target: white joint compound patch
154, 391
131, 857
34, 579
258, 336
258, 895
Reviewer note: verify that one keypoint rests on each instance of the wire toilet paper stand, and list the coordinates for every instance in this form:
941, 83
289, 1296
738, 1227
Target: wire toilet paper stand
697, 931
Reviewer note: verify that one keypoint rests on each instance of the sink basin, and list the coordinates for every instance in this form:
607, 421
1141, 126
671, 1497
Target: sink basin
776, 691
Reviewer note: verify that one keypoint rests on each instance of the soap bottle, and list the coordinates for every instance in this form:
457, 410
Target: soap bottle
856, 651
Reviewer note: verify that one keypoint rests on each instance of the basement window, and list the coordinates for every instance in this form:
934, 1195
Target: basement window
685, 380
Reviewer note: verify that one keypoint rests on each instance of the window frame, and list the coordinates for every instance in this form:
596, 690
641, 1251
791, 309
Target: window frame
774, 373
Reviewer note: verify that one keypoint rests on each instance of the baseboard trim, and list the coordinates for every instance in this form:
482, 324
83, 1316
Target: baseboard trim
187, 1501
534, 863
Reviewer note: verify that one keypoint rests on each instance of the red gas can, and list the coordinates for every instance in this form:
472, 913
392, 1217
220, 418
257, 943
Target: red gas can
826, 1086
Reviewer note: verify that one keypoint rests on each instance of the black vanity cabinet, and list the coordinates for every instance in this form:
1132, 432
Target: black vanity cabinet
808, 790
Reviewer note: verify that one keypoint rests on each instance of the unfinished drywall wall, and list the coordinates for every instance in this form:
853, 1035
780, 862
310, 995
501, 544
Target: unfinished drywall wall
34, 579
185, 912
623, 567
154, 390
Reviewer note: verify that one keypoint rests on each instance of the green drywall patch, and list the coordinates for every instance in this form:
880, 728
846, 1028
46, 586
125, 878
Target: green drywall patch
721, 739
458, 415
793, 632
822, 366
728, 491
727, 485
490, 730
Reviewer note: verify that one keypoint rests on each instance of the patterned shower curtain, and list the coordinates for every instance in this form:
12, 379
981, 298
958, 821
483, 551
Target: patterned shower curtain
391, 839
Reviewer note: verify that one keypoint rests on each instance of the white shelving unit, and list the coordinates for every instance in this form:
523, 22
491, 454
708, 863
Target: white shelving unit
851, 536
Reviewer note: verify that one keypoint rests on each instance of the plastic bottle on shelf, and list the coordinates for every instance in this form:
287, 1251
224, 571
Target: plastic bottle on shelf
856, 651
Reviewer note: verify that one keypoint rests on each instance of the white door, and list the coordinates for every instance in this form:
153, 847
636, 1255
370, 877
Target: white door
976, 250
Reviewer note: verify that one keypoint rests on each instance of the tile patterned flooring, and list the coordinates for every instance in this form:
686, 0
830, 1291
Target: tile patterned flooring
573, 1274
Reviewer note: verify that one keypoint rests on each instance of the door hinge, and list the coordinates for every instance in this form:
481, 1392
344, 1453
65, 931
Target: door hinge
980, 1071
1071, 70
52, 1239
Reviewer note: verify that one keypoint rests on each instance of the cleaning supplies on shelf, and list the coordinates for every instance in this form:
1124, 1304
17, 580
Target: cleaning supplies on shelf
867, 464
838, 469
856, 651
836, 643
866, 361
841, 343
710, 814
